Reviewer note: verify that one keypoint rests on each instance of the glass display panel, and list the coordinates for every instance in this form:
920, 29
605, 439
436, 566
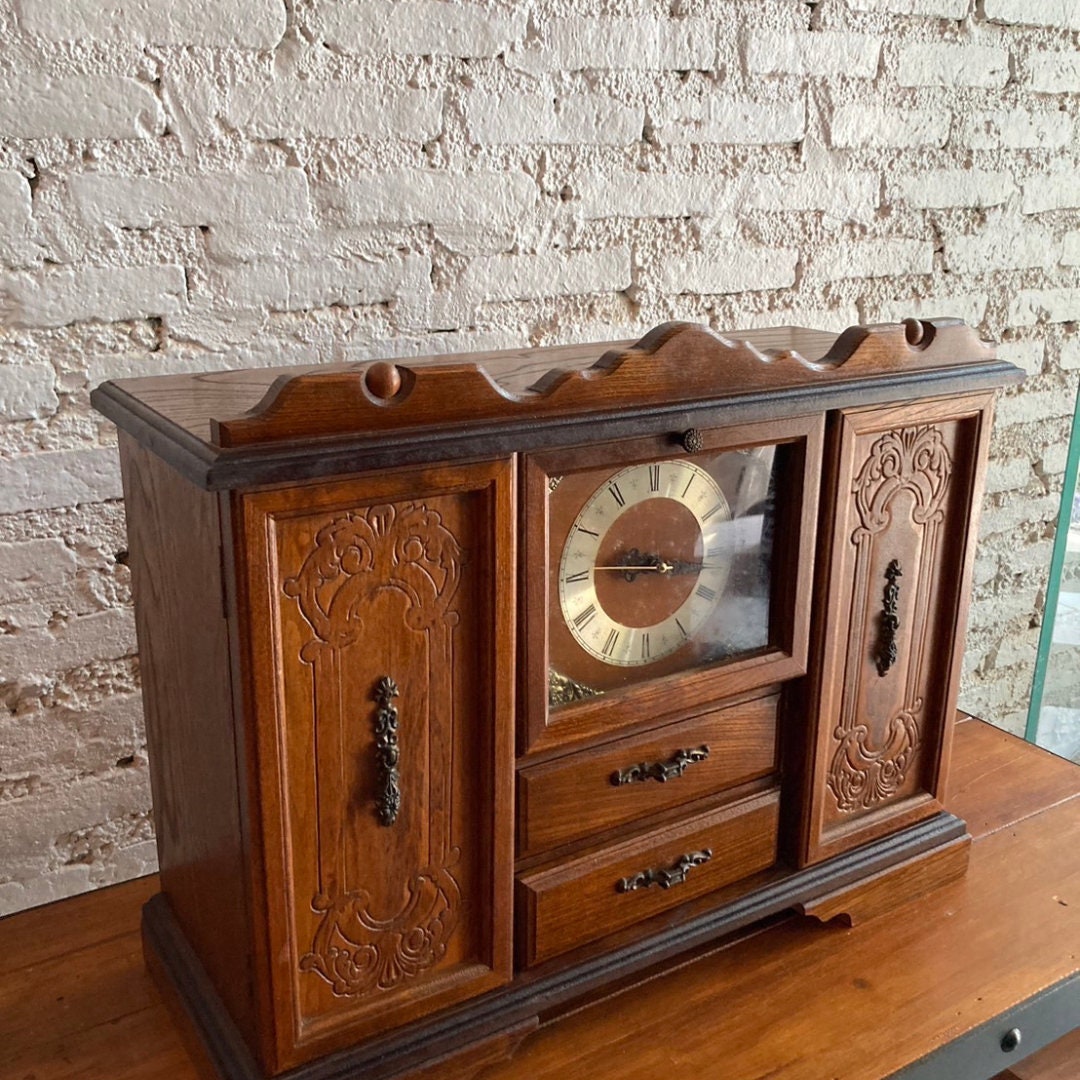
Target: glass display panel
658, 567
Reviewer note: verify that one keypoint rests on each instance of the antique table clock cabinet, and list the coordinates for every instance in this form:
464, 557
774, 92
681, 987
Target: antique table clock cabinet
478, 686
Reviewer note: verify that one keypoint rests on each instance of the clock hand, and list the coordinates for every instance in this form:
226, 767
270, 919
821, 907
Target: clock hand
659, 568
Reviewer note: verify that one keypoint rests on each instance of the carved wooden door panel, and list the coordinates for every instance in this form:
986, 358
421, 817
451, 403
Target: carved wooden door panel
381, 620
890, 616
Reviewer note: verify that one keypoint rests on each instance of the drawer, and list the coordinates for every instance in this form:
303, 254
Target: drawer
593, 790
597, 893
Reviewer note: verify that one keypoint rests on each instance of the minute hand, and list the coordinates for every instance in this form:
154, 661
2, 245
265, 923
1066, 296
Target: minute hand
677, 567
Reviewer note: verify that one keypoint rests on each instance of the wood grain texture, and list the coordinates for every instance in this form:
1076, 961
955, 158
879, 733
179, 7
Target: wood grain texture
882, 893
579, 899
188, 402
922, 977
185, 653
574, 796
407, 577
899, 540
989, 758
674, 362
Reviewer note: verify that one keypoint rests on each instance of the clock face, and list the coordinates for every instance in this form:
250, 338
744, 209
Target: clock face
645, 562
656, 567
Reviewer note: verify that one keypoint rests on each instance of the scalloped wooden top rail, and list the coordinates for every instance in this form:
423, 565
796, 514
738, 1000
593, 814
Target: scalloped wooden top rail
674, 363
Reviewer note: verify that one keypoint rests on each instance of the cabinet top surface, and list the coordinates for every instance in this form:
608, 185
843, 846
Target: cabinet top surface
223, 428
191, 401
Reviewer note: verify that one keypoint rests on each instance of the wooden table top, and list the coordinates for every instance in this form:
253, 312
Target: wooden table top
797, 1000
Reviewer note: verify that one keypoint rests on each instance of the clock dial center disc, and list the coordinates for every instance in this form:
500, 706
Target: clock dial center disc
660, 531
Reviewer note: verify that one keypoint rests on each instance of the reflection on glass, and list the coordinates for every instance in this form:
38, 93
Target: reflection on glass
658, 567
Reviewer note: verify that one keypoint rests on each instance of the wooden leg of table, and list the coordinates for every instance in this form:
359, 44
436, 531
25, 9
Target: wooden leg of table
888, 889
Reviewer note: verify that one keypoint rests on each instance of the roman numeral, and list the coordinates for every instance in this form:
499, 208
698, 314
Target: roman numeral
693, 477
645, 646
709, 513
713, 553
705, 592
581, 575
588, 532
682, 629
582, 619
609, 645
654, 477
616, 494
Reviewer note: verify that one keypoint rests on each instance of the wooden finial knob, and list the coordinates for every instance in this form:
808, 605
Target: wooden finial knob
383, 380
914, 331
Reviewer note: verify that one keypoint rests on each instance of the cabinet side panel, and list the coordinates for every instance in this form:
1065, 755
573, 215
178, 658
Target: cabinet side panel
173, 537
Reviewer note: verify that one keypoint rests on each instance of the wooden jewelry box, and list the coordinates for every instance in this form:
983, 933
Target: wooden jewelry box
477, 685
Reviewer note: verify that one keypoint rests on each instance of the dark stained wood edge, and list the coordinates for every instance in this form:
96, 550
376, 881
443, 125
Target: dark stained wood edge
217, 469
1042, 1019
544, 992
677, 361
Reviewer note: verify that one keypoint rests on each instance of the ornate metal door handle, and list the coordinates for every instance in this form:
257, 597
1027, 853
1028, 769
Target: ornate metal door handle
662, 771
890, 620
665, 877
388, 801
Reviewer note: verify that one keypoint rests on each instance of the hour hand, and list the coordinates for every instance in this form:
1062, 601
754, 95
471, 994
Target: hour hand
636, 562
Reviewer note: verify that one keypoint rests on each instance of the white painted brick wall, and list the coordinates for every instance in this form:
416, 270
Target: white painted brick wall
417, 196
211, 198
27, 391
523, 277
576, 119
1051, 191
955, 187
871, 258
254, 24
944, 9
295, 108
816, 54
711, 272
58, 478
1054, 71
729, 120
56, 297
864, 124
645, 43
952, 65
1060, 13
418, 27
1030, 306
190, 187
80, 107
1018, 129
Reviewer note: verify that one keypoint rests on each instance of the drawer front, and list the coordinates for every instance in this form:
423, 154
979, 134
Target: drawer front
593, 790
592, 895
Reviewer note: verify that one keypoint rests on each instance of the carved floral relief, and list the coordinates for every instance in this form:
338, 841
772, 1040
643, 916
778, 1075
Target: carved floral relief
865, 770
408, 550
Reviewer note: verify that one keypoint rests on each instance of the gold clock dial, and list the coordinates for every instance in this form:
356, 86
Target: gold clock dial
645, 562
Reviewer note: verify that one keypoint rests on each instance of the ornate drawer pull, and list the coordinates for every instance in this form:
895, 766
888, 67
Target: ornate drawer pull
662, 771
388, 801
890, 620
673, 875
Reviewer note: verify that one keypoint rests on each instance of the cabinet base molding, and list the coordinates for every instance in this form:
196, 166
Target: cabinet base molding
887, 890
490, 1028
